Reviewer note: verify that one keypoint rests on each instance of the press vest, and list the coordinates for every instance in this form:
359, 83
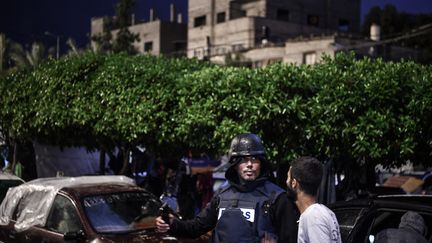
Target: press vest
245, 216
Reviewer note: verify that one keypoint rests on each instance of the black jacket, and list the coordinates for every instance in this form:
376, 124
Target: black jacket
283, 214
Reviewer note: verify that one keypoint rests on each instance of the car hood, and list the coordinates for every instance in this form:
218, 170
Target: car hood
149, 236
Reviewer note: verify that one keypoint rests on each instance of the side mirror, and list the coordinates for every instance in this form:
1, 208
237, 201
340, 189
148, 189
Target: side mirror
77, 235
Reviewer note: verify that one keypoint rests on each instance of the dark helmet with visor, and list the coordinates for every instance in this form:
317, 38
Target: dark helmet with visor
246, 144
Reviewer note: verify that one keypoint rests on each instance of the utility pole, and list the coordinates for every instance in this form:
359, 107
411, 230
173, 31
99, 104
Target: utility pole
2, 50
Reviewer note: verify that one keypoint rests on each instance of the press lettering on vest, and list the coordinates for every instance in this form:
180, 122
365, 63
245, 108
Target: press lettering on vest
248, 213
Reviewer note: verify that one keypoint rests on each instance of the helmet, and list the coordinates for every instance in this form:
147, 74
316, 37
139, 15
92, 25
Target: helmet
247, 144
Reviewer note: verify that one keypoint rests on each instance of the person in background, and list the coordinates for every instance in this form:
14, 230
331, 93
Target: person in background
411, 229
250, 208
317, 224
204, 188
427, 184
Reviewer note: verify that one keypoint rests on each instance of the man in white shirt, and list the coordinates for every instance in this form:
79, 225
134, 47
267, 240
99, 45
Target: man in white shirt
317, 224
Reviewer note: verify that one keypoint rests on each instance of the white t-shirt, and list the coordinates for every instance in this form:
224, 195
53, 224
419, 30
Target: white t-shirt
318, 224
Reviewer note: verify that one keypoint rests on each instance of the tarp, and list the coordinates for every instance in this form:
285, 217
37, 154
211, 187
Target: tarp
67, 161
409, 184
200, 162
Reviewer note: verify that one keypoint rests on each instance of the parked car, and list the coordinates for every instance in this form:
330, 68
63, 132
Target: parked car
82, 209
7, 181
360, 220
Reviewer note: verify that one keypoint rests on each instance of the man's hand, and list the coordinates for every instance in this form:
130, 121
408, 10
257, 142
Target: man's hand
268, 239
161, 225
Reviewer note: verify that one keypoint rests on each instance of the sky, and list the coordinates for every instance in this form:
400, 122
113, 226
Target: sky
24, 20
68, 18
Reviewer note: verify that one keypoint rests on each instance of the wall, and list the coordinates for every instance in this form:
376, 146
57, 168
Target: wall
295, 50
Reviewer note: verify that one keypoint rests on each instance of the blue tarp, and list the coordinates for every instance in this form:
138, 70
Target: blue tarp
201, 162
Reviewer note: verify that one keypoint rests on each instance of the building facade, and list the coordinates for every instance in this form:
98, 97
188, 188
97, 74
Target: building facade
257, 33
218, 27
155, 36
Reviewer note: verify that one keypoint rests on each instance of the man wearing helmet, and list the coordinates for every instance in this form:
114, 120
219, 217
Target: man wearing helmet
250, 208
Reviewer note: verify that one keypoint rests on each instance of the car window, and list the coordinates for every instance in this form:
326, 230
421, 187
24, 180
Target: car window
347, 218
390, 218
121, 212
63, 216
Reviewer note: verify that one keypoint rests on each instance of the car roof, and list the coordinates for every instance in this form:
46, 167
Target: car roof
61, 182
35, 197
413, 200
98, 189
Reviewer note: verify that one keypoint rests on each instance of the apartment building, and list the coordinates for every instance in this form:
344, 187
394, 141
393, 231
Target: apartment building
219, 27
309, 50
257, 33
155, 36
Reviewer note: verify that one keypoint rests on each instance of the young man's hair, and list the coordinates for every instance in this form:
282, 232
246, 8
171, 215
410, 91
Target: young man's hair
308, 172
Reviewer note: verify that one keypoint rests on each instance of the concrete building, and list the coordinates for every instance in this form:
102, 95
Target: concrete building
257, 33
156, 36
219, 27
310, 50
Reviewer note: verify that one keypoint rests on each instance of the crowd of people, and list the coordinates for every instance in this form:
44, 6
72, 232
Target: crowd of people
251, 208
172, 180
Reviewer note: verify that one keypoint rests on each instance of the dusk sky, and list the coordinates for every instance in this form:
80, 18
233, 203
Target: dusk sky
29, 19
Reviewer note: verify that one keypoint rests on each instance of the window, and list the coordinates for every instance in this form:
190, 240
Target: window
343, 25
238, 47
282, 14
197, 53
236, 12
179, 46
220, 17
220, 50
313, 20
200, 21
309, 58
390, 219
347, 219
63, 217
148, 46
121, 212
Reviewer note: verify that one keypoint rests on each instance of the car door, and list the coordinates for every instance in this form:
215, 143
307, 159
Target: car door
362, 224
348, 217
382, 218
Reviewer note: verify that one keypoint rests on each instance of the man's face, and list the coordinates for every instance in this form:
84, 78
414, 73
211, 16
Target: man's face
249, 168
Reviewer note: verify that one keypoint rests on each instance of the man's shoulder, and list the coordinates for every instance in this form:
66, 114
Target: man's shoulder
319, 214
315, 211
271, 186
270, 190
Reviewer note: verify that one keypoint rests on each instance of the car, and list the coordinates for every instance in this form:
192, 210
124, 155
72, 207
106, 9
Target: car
361, 219
7, 181
82, 209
